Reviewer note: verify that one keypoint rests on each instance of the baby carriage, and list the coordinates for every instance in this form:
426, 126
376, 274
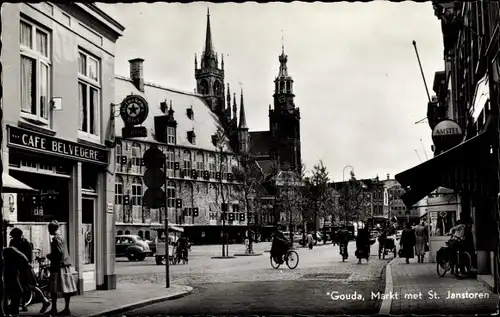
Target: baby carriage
386, 244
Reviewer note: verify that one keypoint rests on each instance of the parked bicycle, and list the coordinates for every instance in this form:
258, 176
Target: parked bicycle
42, 277
291, 258
452, 258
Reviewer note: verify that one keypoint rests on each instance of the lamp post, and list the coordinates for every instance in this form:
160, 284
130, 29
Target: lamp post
345, 191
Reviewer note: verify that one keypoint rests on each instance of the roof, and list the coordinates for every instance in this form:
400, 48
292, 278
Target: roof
265, 166
260, 143
205, 123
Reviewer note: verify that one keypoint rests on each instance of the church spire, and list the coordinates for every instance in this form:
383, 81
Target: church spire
228, 97
235, 107
209, 50
243, 120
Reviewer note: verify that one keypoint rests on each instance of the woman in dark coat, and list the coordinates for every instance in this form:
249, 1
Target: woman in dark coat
363, 245
15, 264
408, 241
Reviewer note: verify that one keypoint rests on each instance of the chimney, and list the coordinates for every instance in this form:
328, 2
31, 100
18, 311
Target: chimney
388, 176
137, 73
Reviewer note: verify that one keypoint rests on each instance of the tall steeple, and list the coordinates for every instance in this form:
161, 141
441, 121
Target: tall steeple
228, 99
235, 107
283, 90
243, 120
209, 77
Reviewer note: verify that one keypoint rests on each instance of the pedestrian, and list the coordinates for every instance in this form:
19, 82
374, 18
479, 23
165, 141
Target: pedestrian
61, 276
363, 245
420, 241
14, 264
310, 241
28, 278
408, 241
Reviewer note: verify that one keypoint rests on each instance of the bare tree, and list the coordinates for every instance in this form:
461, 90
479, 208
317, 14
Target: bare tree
220, 141
355, 199
317, 193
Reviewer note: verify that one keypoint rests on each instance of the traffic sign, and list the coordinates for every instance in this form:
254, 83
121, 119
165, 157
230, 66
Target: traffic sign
154, 198
154, 178
153, 157
134, 132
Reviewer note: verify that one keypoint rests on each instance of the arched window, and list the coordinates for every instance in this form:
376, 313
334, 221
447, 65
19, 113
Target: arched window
119, 233
171, 194
141, 234
217, 88
199, 163
136, 198
225, 167
212, 166
118, 190
204, 87
170, 162
187, 160
118, 153
127, 231
136, 154
147, 235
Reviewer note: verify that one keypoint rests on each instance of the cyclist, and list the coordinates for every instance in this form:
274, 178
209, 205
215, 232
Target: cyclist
28, 277
462, 235
182, 248
279, 247
343, 240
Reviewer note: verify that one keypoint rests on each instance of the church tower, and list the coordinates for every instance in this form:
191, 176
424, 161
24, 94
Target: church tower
209, 77
243, 135
284, 120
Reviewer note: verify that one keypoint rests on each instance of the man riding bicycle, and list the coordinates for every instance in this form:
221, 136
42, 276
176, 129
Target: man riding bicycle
182, 248
462, 237
343, 240
279, 247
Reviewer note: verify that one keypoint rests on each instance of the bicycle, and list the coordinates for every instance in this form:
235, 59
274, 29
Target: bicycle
42, 277
343, 251
291, 258
452, 258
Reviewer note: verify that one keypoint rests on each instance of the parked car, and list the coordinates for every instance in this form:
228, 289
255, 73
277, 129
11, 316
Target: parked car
132, 247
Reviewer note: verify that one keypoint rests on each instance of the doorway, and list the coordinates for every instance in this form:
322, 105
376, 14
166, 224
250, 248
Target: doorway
88, 217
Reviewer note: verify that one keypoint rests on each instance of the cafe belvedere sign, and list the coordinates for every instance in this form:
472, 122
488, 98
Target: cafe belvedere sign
37, 142
447, 134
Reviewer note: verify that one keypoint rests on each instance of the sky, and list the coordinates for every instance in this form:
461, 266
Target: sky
356, 77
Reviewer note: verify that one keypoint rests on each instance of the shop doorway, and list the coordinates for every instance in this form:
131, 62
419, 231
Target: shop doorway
88, 217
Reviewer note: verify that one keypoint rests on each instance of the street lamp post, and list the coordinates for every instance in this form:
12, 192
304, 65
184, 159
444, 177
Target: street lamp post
345, 191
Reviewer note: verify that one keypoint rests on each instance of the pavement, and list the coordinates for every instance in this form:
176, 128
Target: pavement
417, 289
125, 297
249, 285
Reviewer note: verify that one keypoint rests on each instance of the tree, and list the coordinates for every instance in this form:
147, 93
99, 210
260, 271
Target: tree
355, 200
220, 140
249, 178
318, 193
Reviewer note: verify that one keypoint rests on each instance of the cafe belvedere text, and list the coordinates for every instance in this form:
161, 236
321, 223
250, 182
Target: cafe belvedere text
35, 141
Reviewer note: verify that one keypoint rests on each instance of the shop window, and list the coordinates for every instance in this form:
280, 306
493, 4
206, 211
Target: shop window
141, 234
136, 155
136, 198
187, 160
35, 72
127, 231
171, 194
89, 92
170, 162
445, 221
119, 233
147, 235
119, 191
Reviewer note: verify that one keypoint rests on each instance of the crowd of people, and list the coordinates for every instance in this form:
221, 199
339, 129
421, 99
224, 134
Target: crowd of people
19, 275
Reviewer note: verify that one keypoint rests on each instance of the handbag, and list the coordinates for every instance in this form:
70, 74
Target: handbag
426, 248
401, 253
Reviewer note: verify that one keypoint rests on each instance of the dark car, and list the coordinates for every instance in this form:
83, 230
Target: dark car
132, 247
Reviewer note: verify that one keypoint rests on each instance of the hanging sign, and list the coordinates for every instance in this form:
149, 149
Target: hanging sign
134, 110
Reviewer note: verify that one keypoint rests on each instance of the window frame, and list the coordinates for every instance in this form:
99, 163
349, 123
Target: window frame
171, 189
200, 163
135, 159
90, 83
171, 135
212, 162
119, 196
186, 159
32, 53
136, 192
170, 158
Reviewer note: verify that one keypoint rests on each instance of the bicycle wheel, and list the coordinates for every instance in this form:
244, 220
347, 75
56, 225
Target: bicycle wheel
464, 264
292, 260
274, 264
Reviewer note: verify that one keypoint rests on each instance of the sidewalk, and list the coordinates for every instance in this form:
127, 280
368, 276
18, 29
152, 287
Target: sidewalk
125, 297
408, 281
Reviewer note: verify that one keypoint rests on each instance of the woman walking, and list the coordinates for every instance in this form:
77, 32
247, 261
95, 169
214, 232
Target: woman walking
14, 263
420, 241
408, 243
61, 277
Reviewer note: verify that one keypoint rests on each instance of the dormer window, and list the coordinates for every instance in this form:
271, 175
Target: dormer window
191, 137
164, 107
190, 113
170, 135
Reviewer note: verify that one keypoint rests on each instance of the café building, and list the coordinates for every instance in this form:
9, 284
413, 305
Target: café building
58, 129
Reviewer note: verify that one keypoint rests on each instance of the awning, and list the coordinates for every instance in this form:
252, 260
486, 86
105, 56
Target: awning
12, 185
175, 228
466, 167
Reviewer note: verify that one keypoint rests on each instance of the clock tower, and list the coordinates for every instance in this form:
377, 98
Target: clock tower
284, 120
